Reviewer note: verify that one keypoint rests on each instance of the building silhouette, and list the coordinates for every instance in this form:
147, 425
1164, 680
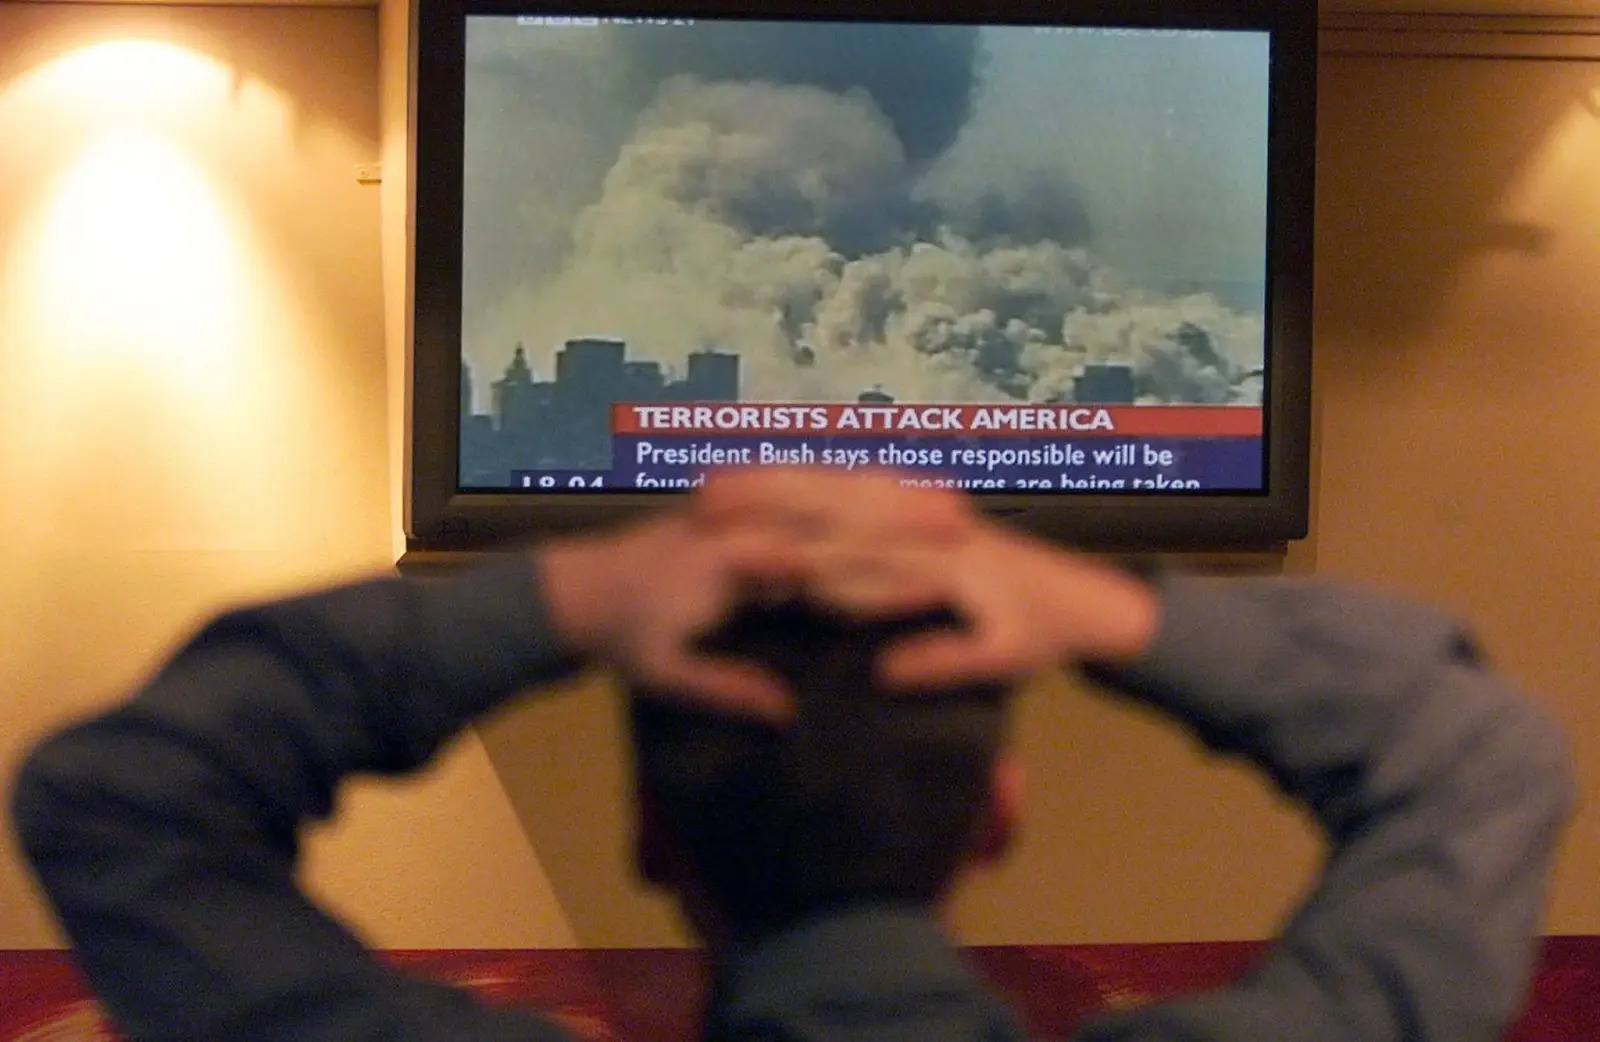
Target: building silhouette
565, 423
477, 429
1104, 385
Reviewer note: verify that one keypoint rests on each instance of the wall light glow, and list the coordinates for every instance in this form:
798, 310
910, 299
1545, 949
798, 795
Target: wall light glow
150, 341
135, 254
129, 258
1556, 185
118, 79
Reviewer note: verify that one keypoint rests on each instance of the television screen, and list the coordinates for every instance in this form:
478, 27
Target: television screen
1058, 259
1007, 257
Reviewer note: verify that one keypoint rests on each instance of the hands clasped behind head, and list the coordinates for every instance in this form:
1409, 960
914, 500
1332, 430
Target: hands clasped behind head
855, 546
868, 547
860, 546
640, 599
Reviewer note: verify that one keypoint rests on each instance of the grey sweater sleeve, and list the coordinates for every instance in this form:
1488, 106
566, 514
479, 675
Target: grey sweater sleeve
165, 831
1442, 791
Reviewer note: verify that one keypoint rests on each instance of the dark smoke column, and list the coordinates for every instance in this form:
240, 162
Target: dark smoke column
923, 79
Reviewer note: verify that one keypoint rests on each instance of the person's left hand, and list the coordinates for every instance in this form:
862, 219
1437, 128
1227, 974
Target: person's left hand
639, 598
877, 506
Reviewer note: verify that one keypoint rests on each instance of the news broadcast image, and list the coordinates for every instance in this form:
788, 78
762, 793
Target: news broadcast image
1006, 258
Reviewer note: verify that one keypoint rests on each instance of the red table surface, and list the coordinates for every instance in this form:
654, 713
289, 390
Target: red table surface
652, 995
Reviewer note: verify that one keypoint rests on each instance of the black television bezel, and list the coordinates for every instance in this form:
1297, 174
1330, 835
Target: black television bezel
439, 517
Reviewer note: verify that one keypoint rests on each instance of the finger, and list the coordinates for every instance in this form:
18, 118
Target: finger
819, 500
758, 568
758, 551
757, 556
882, 550
726, 686
867, 597
880, 499
882, 506
736, 493
865, 584
943, 660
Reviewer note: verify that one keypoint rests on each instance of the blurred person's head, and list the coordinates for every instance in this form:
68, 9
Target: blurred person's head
867, 796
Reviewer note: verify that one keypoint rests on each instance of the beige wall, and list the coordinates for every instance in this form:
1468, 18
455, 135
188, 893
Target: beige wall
201, 339
1458, 461
195, 404
1459, 366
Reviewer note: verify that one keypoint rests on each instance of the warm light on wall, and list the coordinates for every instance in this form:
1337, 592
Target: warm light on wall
1556, 187
191, 377
130, 274
153, 343
118, 81
134, 252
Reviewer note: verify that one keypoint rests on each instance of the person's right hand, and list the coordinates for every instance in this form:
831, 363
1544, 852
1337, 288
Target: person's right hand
639, 598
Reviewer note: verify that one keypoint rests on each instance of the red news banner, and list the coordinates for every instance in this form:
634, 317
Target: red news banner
959, 421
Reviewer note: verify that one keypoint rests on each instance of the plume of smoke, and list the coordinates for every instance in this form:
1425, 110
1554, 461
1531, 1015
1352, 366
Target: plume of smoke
1188, 349
549, 117
733, 216
1037, 209
769, 160
926, 110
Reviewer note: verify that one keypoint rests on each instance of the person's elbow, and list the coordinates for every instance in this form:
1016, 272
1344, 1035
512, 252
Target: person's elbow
1549, 768
53, 794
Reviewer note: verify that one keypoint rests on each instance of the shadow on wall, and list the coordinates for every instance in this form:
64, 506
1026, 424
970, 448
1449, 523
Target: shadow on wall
1419, 163
563, 761
1457, 323
1416, 158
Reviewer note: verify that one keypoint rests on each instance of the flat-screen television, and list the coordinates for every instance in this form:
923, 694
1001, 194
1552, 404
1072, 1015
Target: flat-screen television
1054, 252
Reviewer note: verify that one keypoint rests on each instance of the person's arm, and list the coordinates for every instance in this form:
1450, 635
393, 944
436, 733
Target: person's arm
165, 831
1442, 791
1441, 788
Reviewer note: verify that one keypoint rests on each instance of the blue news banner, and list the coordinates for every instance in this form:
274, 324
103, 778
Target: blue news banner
1094, 465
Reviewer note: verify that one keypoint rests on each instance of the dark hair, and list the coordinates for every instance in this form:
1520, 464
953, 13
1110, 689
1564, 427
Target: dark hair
866, 795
